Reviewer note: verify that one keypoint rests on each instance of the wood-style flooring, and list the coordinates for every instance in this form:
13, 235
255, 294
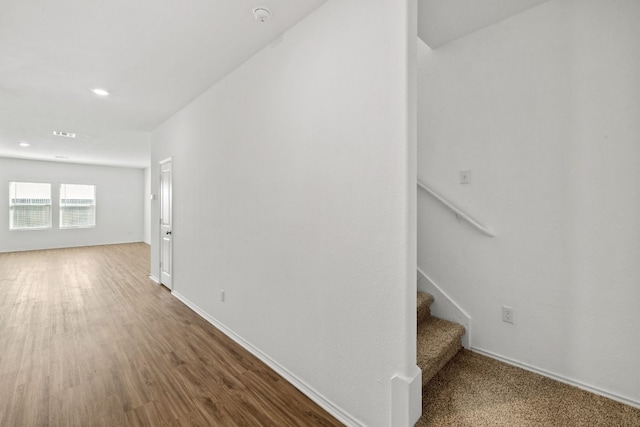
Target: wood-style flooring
87, 339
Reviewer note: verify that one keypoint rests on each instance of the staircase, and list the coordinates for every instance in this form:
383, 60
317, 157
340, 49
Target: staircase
438, 340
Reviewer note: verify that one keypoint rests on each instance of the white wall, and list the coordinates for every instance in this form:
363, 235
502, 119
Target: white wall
147, 205
543, 109
294, 192
119, 204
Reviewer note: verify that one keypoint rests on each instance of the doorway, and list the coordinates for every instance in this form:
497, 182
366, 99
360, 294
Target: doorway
166, 221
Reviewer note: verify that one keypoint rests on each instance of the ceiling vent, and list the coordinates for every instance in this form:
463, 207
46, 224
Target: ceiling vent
64, 134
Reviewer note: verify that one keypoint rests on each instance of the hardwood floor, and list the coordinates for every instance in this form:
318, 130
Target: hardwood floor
86, 338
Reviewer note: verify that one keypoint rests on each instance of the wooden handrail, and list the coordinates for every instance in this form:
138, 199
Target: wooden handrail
459, 213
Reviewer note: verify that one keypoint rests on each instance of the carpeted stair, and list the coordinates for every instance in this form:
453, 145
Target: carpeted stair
438, 340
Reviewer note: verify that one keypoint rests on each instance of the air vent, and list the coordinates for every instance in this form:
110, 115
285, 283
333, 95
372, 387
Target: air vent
64, 134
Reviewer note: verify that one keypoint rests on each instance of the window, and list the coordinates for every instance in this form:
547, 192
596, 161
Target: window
29, 205
77, 206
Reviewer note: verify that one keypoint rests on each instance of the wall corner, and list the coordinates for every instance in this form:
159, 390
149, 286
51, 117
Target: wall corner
406, 399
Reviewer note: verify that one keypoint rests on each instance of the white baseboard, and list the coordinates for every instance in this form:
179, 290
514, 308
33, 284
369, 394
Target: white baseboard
154, 278
309, 391
557, 377
445, 307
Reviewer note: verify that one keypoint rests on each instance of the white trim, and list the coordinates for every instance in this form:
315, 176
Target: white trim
162, 163
446, 308
154, 278
309, 391
460, 214
406, 398
560, 378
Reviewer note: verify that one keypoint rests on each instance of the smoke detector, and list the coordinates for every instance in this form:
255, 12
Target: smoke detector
261, 14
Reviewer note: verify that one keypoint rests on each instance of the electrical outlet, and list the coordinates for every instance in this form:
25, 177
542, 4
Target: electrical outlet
465, 176
222, 295
507, 314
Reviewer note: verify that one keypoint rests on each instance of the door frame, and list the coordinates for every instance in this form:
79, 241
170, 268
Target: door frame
161, 163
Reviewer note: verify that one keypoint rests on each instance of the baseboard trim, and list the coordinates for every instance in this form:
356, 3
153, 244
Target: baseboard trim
447, 310
154, 278
559, 378
51, 248
309, 391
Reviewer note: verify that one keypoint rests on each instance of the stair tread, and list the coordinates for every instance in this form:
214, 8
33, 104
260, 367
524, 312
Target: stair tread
438, 341
424, 306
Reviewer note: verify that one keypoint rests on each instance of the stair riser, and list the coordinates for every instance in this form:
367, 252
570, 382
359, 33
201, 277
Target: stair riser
438, 340
423, 314
424, 307
428, 375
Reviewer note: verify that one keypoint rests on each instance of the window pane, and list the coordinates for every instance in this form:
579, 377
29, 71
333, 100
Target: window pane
77, 206
29, 205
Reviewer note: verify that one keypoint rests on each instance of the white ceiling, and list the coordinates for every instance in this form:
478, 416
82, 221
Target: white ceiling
442, 21
154, 56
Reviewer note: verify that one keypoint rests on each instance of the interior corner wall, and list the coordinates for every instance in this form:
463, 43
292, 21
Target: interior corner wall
119, 204
543, 109
293, 186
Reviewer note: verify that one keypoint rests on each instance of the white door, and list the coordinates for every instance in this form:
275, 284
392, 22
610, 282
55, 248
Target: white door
166, 220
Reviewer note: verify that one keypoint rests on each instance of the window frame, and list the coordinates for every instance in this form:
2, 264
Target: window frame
61, 206
11, 206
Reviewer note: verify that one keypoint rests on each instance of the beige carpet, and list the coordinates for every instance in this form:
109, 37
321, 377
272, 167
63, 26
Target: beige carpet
437, 341
474, 390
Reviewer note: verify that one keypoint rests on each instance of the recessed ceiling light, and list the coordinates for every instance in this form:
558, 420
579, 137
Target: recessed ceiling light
100, 92
65, 134
24, 144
